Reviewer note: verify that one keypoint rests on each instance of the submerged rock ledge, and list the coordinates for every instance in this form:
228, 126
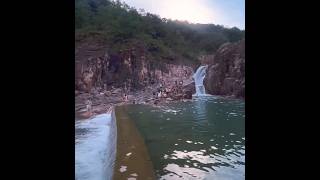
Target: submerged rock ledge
132, 157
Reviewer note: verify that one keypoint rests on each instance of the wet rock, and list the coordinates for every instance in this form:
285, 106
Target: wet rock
156, 101
187, 95
177, 97
188, 90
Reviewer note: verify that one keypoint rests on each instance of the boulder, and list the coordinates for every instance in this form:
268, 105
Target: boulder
188, 90
107, 93
117, 91
226, 71
187, 95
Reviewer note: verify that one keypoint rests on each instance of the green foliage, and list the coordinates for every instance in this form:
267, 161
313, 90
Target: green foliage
122, 26
82, 14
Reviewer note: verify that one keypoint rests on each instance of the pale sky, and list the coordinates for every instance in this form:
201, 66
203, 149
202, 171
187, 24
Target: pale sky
229, 13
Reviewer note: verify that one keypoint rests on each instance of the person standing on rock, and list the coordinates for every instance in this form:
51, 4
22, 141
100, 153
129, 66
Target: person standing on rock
125, 98
89, 106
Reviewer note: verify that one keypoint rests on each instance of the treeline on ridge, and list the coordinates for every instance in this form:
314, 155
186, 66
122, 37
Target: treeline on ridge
122, 26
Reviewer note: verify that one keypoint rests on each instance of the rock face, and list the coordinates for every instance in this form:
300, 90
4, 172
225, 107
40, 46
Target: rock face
129, 69
226, 72
189, 90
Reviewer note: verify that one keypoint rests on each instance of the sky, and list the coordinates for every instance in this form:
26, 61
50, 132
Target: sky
228, 13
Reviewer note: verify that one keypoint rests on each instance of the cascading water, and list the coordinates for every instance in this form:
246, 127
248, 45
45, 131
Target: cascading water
198, 77
95, 148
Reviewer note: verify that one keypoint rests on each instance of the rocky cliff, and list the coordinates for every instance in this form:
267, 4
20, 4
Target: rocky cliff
132, 68
226, 72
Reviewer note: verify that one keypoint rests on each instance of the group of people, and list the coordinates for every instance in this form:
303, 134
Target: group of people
164, 92
161, 91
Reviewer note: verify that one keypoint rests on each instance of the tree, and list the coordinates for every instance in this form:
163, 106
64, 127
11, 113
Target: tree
124, 26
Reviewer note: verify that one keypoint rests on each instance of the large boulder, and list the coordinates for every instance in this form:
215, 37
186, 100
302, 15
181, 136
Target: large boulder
188, 90
226, 72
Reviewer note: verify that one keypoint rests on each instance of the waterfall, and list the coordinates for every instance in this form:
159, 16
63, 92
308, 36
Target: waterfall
198, 77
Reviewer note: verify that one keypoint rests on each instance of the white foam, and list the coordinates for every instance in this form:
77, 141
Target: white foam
195, 164
123, 169
213, 147
171, 110
92, 149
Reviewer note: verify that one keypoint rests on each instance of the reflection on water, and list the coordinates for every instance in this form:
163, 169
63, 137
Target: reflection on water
201, 139
200, 108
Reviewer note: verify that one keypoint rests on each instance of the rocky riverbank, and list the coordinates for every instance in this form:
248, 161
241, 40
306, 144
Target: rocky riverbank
103, 78
102, 100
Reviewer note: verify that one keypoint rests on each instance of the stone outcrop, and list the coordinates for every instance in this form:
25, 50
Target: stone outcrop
226, 72
129, 69
189, 90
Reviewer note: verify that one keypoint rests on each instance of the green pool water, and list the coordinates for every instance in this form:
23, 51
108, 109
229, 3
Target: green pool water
199, 139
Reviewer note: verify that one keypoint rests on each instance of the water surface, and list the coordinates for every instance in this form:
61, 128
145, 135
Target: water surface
200, 139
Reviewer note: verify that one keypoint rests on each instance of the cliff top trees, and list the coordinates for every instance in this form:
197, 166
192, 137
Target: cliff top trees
122, 25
